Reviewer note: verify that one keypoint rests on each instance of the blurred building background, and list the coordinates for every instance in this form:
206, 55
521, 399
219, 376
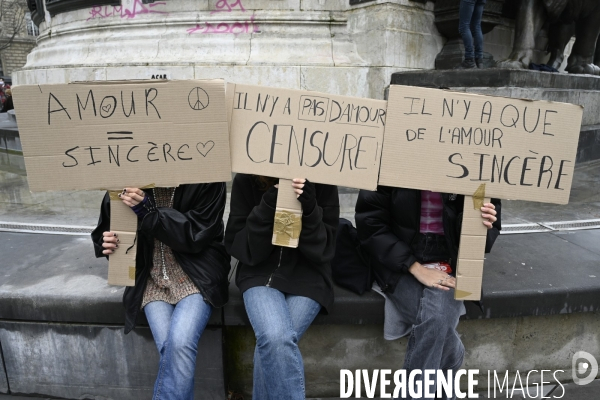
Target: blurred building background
18, 33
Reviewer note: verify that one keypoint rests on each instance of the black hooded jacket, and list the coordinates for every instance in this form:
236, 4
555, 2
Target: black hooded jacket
389, 219
303, 271
193, 229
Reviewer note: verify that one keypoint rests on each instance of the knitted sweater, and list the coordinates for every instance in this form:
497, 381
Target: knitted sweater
167, 281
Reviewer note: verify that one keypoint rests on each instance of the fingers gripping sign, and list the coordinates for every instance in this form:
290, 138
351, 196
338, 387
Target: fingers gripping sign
110, 242
488, 214
432, 278
132, 196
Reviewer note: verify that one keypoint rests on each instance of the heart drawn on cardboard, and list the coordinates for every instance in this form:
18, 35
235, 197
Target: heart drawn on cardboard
205, 148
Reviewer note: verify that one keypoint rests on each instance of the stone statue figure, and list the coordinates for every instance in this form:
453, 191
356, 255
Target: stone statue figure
559, 36
581, 17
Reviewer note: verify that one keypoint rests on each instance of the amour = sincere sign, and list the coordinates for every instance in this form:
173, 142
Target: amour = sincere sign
454, 142
114, 135
292, 133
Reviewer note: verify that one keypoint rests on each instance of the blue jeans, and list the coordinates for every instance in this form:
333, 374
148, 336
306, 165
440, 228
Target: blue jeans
469, 27
279, 320
176, 330
433, 342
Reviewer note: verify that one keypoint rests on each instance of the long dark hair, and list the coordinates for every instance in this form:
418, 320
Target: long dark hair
265, 182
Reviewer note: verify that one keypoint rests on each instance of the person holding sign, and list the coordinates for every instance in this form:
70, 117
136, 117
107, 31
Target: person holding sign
411, 238
181, 272
283, 288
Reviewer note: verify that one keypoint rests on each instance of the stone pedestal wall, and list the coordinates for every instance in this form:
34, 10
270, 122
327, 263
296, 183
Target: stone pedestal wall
324, 45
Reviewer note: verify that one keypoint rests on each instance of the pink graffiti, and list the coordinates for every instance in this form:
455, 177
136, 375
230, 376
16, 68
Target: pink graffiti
138, 8
224, 27
224, 6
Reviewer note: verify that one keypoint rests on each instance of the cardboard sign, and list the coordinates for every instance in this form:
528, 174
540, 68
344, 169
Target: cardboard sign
481, 147
123, 222
123, 134
454, 142
111, 135
324, 138
288, 216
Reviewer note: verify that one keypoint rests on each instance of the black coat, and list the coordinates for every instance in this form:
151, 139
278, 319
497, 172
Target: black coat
193, 229
389, 219
303, 271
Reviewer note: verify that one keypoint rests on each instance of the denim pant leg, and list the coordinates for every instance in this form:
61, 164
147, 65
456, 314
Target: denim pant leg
158, 314
278, 321
433, 342
465, 16
475, 29
175, 380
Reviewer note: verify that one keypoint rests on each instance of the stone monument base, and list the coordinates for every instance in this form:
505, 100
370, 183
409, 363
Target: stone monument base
566, 88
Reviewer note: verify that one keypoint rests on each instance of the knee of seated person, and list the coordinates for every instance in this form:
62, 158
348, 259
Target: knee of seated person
276, 336
180, 345
442, 319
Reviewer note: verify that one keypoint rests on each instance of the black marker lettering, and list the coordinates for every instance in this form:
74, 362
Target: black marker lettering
481, 157
423, 109
248, 141
107, 108
467, 106
487, 112
151, 151
465, 170
497, 168
150, 101
74, 159
179, 152
349, 150
412, 104
287, 106
131, 109
494, 138
339, 111
111, 156
91, 149
524, 170
274, 143
325, 150
262, 106
62, 108
129, 152
514, 120
506, 170
80, 105
165, 152
543, 171
312, 144
358, 151
450, 108
548, 123
273, 107
536, 122
557, 186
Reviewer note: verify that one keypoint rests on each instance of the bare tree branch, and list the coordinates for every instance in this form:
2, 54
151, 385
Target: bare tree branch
12, 21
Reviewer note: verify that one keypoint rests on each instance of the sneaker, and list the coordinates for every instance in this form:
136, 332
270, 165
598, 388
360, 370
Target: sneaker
479, 62
468, 63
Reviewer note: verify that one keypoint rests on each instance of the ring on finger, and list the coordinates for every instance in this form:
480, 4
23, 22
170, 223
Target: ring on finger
440, 281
